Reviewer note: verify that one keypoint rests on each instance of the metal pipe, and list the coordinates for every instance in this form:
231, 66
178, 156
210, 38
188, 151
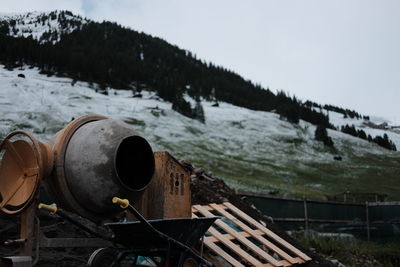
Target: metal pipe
55, 210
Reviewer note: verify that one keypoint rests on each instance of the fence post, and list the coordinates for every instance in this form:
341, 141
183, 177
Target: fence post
305, 214
367, 220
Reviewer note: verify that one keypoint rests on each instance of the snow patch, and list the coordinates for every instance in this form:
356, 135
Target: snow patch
42, 26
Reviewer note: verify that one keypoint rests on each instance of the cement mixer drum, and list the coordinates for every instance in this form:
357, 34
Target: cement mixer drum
96, 159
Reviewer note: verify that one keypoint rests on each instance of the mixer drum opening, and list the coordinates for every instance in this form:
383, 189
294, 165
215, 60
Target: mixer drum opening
134, 162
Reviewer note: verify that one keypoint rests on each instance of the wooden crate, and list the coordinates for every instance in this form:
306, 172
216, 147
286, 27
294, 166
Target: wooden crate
168, 195
242, 241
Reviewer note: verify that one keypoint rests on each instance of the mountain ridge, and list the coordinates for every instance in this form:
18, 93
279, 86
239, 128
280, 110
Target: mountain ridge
42, 26
110, 55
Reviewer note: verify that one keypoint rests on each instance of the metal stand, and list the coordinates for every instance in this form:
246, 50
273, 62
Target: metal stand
31, 239
27, 231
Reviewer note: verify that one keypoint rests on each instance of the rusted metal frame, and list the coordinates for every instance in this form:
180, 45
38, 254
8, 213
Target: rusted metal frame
27, 230
28, 234
37, 233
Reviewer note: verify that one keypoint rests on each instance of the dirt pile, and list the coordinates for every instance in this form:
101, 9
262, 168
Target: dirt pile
208, 189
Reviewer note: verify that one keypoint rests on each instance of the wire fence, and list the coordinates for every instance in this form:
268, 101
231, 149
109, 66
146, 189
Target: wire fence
369, 220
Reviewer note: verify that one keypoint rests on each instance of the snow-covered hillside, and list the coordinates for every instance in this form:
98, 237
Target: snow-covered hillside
375, 126
252, 150
42, 26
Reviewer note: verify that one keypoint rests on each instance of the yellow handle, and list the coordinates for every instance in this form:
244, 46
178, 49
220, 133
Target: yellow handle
123, 203
49, 208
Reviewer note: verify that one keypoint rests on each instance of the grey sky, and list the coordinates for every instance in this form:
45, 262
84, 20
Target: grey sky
342, 52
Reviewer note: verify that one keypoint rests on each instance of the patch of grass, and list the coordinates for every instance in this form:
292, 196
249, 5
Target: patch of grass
23, 126
353, 252
133, 121
293, 165
292, 140
193, 130
237, 124
297, 177
157, 112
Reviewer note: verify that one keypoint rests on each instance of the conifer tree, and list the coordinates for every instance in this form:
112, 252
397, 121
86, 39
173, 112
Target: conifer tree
321, 134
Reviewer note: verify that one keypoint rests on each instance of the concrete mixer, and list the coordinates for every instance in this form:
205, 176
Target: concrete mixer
86, 165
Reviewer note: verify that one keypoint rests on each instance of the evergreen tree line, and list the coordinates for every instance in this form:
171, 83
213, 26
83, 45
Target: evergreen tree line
346, 112
110, 55
383, 141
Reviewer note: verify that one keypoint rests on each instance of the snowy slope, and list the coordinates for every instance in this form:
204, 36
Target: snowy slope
252, 150
42, 26
338, 120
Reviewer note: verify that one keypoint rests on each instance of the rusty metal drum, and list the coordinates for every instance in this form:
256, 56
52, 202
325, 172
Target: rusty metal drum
97, 158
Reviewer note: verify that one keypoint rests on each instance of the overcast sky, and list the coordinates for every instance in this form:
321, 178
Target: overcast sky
341, 52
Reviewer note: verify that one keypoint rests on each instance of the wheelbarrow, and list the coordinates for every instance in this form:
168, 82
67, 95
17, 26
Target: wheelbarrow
164, 242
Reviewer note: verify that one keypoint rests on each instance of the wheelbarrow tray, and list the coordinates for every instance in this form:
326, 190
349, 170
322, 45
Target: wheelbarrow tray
138, 236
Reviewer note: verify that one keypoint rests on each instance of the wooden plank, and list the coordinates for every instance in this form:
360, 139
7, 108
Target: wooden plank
230, 237
235, 248
267, 231
247, 229
208, 208
222, 253
300, 260
239, 237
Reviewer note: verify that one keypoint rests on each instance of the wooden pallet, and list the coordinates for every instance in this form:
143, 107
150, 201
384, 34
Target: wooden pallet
242, 241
